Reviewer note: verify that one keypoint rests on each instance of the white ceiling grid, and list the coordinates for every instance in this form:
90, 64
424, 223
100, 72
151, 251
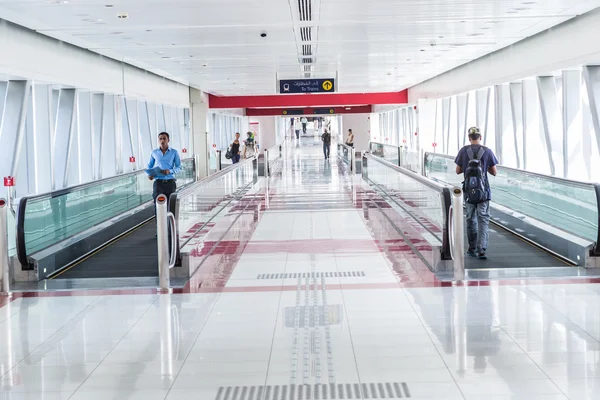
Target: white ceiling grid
371, 46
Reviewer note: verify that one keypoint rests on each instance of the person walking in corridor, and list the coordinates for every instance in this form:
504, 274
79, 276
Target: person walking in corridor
475, 161
304, 122
350, 138
164, 164
235, 149
326, 138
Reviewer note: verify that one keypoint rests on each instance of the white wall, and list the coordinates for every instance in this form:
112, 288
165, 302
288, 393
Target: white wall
567, 45
29, 55
267, 131
360, 125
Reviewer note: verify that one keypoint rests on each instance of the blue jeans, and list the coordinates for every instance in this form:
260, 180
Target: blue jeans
235, 159
478, 223
326, 149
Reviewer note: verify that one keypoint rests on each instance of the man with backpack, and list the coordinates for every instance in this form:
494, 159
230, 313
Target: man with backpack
475, 161
326, 138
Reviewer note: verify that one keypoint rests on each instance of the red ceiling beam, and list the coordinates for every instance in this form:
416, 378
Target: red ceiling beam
290, 112
308, 100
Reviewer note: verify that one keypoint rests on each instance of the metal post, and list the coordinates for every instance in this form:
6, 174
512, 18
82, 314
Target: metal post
219, 165
457, 234
266, 163
352, 159
165, 261
4, 263
197, 166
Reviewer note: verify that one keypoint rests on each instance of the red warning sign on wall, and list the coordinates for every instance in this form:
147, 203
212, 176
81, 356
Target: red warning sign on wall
9, 181
131, 159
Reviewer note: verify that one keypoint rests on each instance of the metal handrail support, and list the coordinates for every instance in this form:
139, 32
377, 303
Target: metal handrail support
4, 262
266, 163
165, 221
219, 164
457, 234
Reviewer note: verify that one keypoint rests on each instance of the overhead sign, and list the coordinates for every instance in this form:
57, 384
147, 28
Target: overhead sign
307, 86
324, 111
294, 111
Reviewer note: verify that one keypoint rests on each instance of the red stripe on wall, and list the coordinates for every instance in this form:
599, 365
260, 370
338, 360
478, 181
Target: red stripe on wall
308, 100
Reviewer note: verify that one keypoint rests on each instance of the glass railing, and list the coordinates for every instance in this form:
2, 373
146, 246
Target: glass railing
411, 160
47, 219
387, 152
273, 156
201, 203
426, 201
344, 152
421, 198
568, 205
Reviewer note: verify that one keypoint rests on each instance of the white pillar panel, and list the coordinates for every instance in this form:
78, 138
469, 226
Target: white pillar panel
63, 136
590, 149
199, 115
12, 124
27, 161
591, 75
73, 170
84, 131
516, 112
129, 136
97, 127
446, 113
462, 105
574, 165
108, 149
160, 118
505, 141
551, 117
482, 107
41, 119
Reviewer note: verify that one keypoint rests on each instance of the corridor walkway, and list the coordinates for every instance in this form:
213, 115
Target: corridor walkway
313, 295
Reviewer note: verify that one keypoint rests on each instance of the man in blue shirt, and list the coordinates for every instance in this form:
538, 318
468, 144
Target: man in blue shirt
167, 159
478, 215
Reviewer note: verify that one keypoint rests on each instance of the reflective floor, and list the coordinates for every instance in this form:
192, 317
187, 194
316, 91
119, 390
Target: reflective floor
309, 296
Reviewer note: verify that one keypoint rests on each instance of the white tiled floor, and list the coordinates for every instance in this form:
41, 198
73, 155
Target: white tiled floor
489, 342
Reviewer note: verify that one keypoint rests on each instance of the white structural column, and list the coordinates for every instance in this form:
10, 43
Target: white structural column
12, 124
199, 115
97, 125
63, 136
84, 139
129, 134
573, 155
462, 107
482, 107
446, 118
532, 138
551, 118
591, 75
504, 143
516, 111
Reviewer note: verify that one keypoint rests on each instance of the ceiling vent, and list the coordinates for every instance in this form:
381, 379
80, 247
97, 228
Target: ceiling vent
306, 33
305, 10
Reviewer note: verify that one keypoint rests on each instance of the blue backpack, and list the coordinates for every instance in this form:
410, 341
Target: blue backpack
475, 184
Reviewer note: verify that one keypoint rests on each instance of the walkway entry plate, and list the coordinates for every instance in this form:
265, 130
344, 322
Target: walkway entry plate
307, 86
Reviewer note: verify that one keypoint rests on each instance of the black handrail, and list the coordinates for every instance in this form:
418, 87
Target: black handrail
20, 219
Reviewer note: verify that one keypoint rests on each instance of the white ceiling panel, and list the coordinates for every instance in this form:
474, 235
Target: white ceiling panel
375, 45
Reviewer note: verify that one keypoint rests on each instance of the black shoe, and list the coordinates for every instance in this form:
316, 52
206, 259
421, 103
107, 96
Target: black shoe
482, 256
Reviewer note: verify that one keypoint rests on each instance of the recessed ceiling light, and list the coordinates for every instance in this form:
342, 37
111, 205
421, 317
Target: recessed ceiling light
166, 57
389, 74
205, 65
57, 2
122, 15
116, 33
108, 6
422, 49
148, 30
